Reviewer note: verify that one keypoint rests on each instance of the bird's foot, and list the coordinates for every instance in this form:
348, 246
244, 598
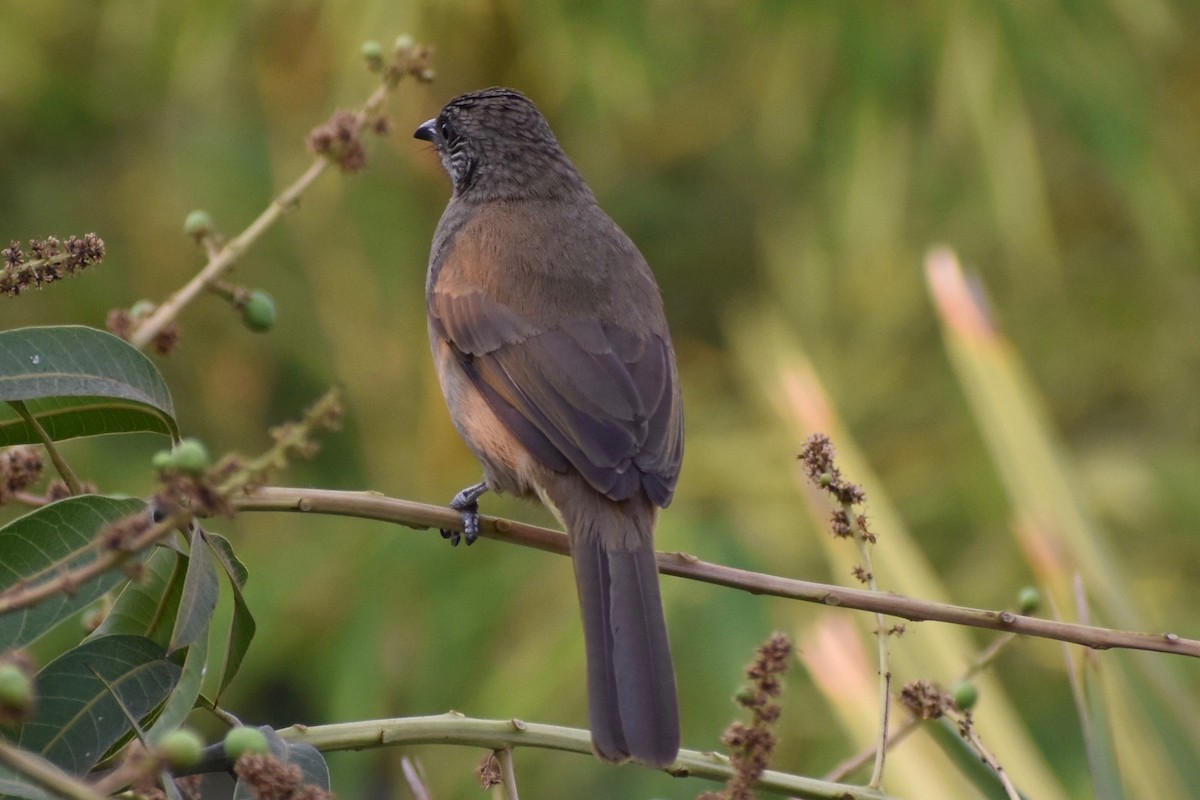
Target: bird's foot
466, 503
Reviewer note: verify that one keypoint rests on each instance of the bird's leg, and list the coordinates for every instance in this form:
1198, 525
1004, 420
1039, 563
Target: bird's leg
466, 503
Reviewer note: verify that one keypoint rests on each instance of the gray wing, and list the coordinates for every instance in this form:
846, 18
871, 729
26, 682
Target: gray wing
594, 396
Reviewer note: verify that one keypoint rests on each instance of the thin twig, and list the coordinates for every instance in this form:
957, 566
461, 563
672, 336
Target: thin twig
227, 255
372, 505
45, 774
23, 595
60, 464
899, 734
862, 540
509, 772
499, 735
986, 756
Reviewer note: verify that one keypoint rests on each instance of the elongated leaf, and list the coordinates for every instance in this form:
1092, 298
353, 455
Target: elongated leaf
79, 381
148, 607
41, 538
312, 764
187, 690
201, 589
13, 785
77, 718
242, 625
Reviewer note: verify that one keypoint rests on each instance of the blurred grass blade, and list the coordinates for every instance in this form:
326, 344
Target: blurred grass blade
148, 607
945, 732
78, 718
32, 544
775, 362
1058, 538
79, 381
201, 590
1094, 717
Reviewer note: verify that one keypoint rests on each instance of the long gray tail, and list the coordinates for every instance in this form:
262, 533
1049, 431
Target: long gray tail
631, 683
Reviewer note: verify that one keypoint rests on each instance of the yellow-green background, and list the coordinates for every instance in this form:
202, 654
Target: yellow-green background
784, 166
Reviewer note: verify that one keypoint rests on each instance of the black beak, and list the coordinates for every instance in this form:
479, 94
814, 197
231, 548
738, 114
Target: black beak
427, 131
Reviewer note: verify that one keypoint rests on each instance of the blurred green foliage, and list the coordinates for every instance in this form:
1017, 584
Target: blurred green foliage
791, 160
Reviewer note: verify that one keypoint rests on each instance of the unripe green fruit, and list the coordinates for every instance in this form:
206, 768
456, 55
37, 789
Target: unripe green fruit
182, 748
142, 308
965, 695
242, 740
190, 455
161, 460
198, 224
1028, 599
404, 43
16, 688
372, 51
258, 313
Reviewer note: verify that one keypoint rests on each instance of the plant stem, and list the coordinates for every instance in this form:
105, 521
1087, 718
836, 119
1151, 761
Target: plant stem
863, 543
372, 505
60, 464
501, 735
45, 774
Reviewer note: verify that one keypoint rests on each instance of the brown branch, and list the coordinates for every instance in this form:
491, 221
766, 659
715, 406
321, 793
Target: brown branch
371, 505
414, 61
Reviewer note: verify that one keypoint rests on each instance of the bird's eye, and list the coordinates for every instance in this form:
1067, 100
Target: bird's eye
444, 130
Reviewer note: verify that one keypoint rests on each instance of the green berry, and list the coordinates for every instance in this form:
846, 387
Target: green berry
182, 748
1028, 599
161, 460
198, 224
16, 688
142, 308
190, 455
405, 43
372, 51
258, 313
965, 695
242, 740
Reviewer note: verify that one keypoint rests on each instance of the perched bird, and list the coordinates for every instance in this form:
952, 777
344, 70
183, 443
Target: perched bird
553, 353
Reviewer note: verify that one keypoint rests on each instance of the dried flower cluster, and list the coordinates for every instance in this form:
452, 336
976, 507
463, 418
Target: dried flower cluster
49, 259
817, 456
488, 772
925, 700
268, 778
122, 322
340, 140
751, 745
20, 468
408, 58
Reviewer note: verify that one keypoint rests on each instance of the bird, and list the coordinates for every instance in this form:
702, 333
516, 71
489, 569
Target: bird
551, 345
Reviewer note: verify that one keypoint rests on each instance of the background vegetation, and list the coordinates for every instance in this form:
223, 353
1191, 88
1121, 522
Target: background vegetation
784, 167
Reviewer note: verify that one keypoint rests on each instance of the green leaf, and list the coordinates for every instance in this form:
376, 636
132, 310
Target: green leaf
78, 718
313, 769
32, 543
242, 626
201, 590
79, 381
183, 696
148, 607
14, 785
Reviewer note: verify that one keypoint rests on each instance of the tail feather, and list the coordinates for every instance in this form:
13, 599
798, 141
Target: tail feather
631, 682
